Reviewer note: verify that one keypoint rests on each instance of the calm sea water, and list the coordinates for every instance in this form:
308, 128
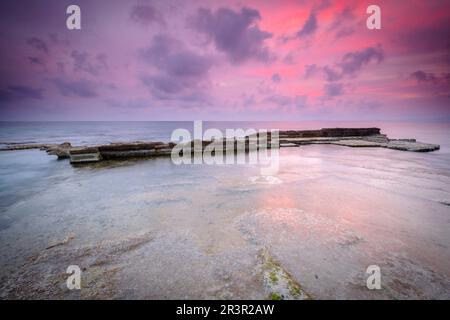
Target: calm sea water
327, 214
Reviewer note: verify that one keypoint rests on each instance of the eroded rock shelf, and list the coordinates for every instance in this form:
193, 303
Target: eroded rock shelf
348, 137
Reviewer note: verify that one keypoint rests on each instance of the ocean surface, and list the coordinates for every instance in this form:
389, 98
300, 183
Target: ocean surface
152, 229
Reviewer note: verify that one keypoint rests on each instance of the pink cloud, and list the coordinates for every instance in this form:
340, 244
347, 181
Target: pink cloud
220, 59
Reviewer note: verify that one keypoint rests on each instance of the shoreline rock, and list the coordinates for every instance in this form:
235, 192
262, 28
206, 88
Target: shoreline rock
348, 137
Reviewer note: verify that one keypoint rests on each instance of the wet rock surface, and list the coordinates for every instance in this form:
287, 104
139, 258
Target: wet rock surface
376, 140
278, 282
328, 214
62, 151
98, 263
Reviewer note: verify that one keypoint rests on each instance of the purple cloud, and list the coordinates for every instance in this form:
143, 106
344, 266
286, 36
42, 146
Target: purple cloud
342, 23
332, 74
344, 32
309, 27
165, 84
280, 100
352, 62
310, 70
434, 38
79, 88
187, 64
19, 92
56, 39
83, 62
38, 44
179, 70
276, 78
146, 15
422, 76
234, 33
170, 57
300, 101
333, 90
36, 60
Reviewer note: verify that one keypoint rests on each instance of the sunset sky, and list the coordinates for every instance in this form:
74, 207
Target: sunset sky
224, 60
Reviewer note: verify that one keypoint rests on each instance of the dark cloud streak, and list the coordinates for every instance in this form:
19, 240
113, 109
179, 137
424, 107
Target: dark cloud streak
79, 88
146, 15
352, 62
309, 27
234, 32
19, 92
38, 44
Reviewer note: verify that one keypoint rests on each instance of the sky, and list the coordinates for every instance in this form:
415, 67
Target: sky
224, 60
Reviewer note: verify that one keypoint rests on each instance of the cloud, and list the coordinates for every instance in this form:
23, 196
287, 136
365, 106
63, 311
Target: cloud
187, 64
234, 32
280, 100
164, 87
300, 101
60, 67
352, 62
333, 90
309, 27
289, 59
169, 56
332, 74
322, 5
427, 39
36, 60
248, 100
342, 23
422, 76
83, 62
344, 32
429, 77
179, 70
165, 84
128, 104
38, 44
276, 78
19, 92
80, 88
310, 70
446, 76
146, 15
58, 40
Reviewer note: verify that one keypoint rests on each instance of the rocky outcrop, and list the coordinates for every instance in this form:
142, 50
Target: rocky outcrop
327, 132
41, 146
349, 137
350, 132
84, 155
120, 150
135, 149
404, 145
363, 141
60, 150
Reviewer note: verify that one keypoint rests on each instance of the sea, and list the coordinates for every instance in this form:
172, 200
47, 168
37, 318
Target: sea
152, 229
